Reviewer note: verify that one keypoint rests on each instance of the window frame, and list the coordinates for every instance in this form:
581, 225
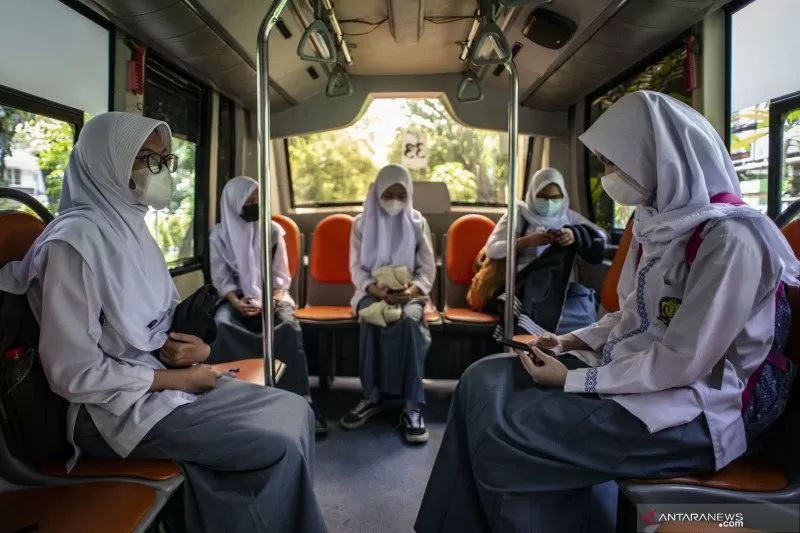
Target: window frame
43, 107
673, 45
777, 106
231, 105
168, 73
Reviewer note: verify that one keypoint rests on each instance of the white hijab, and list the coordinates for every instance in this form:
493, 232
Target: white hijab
389, 240
527, 210
100, 218
239, 240
671, 149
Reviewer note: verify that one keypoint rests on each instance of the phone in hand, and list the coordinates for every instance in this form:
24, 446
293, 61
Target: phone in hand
524, 347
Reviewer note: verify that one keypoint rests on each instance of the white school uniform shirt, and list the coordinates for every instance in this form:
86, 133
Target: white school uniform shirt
98, 258
96, 368
424, 272
724, 303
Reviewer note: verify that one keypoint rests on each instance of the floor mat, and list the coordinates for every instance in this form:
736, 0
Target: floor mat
369, 479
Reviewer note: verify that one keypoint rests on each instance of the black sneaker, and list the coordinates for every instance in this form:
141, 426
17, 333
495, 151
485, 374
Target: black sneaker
320, 426
414, 426
359, 414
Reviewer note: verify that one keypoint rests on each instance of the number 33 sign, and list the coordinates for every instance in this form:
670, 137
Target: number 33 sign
414, 151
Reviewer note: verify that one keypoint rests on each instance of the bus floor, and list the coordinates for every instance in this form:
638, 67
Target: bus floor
369, 479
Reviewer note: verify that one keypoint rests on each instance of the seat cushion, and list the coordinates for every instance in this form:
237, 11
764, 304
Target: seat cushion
250, 370
325, 313
752, 474
82, 508
432, 317
150, 470
468, 315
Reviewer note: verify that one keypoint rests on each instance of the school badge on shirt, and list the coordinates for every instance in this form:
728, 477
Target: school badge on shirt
667, 308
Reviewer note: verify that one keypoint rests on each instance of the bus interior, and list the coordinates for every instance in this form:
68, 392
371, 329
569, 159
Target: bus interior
311, 98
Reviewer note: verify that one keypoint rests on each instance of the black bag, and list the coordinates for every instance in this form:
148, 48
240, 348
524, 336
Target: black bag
195, 315
34, 418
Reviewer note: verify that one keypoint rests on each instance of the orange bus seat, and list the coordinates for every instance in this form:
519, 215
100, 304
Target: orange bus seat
465, 238
752, 479
292, 240
329, 287
18, 231
608, 294
97, 507
328, 290
792, 233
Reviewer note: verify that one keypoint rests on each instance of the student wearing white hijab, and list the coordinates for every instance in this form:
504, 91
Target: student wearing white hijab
545, 287
542, 219
236, 274
101, 291
390, 233
629, 396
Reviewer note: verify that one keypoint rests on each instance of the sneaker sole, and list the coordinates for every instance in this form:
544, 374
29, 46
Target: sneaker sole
417, 439
363, 420
323, 431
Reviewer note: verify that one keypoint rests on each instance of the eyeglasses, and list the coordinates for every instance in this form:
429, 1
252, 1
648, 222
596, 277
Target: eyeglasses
155, 162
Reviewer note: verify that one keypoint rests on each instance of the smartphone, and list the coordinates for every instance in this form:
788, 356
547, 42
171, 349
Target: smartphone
524, 347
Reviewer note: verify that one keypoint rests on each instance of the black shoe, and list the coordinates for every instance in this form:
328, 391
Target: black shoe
414, 426
320, 426
359, 414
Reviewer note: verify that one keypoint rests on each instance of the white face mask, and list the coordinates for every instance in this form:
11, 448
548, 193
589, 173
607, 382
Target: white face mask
623, 189
393, 207
154, 190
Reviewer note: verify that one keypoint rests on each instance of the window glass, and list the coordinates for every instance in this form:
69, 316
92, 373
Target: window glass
180, 103
666, 76
34, 151
173, 227
759, 77
750, 153
337, 167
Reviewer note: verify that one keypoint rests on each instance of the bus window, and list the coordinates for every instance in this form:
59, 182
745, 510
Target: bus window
664, 75
765, 105
336, 167
34, 151
183, 106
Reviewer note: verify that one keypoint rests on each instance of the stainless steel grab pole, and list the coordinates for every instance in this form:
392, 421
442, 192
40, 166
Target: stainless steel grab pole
264, 186
511, 212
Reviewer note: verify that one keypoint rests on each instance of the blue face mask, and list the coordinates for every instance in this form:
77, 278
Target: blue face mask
547, 207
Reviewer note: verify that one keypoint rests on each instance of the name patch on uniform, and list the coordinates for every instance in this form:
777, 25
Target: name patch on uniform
667, 308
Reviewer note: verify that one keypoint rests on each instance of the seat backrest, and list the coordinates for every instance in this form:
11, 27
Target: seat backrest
292, 240
328, 280
431, 197
18, 231
465, 238
608, 295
